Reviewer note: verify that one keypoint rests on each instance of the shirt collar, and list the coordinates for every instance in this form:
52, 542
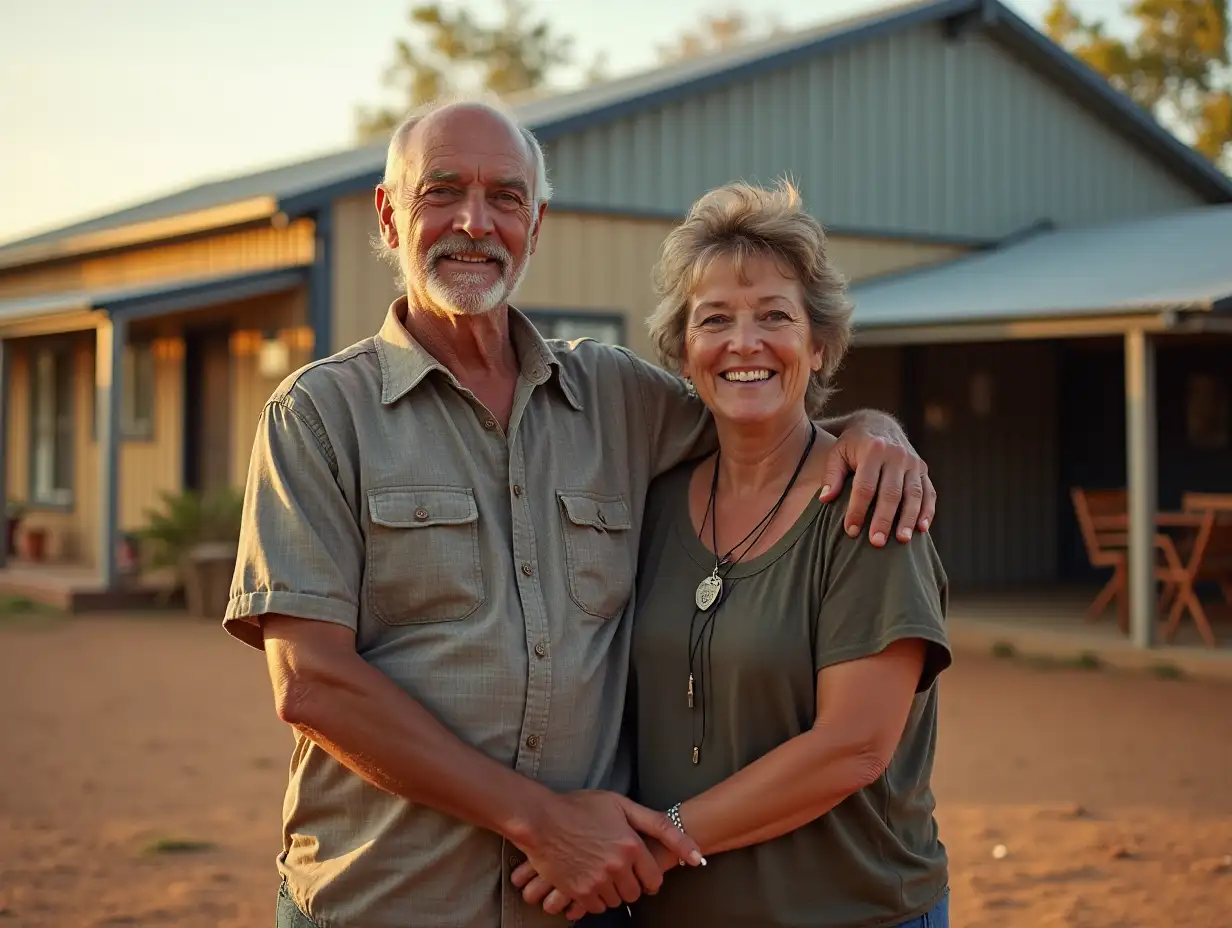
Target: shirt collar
405, 362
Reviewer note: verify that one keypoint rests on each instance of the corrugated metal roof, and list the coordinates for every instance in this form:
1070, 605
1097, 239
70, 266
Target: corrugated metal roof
301, 185
1180, 261
279, 182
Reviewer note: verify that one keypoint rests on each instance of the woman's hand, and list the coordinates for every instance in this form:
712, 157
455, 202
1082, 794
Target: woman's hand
538, 891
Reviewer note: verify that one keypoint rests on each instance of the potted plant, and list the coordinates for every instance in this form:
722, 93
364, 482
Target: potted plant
196, 535
15, 512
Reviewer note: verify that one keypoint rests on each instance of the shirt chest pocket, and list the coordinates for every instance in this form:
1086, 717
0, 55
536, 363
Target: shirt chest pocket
598, 559
423, 555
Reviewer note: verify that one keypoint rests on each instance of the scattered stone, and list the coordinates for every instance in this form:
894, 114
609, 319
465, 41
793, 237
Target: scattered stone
1002, 902
1121, 852
1000, 852
1214, 865
1069, 810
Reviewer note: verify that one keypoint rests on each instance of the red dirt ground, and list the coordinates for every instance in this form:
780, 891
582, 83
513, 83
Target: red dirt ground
1111, 792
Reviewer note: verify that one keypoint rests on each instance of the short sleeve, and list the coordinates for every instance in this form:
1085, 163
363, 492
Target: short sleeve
300, 547
678, 425
872, 597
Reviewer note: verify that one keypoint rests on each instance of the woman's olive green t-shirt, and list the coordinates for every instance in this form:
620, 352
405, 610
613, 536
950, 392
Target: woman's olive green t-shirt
816, 598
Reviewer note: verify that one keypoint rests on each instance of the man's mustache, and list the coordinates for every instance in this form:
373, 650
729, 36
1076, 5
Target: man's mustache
447, 248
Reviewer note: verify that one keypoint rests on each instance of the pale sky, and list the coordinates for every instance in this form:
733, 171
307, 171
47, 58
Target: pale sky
104, 104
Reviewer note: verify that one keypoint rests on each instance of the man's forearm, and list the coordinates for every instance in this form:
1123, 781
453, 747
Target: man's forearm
872, 420
367, 723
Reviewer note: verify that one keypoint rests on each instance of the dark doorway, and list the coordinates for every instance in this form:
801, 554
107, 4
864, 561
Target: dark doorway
207, 410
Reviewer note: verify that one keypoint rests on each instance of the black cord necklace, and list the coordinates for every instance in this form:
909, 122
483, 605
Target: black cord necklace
710, 590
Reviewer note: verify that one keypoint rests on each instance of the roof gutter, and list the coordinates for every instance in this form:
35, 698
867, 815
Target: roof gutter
1006, 330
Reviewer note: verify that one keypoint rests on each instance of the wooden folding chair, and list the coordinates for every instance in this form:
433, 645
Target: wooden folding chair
1103, 518
1207, 556
1106, 546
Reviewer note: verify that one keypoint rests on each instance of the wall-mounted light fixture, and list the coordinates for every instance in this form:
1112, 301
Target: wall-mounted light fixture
273, 357
981, 394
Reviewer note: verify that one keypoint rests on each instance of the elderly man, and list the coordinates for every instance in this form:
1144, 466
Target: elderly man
439, 544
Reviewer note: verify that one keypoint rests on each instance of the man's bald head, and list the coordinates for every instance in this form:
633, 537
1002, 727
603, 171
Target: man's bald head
438, 116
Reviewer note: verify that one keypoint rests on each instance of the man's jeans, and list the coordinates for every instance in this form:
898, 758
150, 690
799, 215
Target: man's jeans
289, 915
936, 917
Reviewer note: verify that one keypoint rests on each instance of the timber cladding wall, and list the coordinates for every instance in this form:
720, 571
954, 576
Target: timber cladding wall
585, 262
253, 249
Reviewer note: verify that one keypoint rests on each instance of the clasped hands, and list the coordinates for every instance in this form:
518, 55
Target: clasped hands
592, 850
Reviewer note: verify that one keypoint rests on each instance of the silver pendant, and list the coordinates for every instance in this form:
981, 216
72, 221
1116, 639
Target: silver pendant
708, 591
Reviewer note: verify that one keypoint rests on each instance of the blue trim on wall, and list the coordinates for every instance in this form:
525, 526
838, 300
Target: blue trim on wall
668, 215
321, 199
321, 283
155, 302
107, 399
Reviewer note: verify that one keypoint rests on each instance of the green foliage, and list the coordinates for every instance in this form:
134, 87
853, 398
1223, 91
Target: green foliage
450, 51
717, 32
1166, 670
1003, 650
186, 520
178, 846
1174, 64
1088, 660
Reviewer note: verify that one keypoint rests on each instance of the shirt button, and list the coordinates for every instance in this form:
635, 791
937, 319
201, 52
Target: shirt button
532, 741
515, 862
421, 514
489, 423
517, 489
541, 649
528, 570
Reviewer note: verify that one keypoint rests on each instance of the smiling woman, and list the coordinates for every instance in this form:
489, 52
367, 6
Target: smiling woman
788, 726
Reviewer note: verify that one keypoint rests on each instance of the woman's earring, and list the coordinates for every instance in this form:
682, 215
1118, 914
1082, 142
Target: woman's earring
688, 385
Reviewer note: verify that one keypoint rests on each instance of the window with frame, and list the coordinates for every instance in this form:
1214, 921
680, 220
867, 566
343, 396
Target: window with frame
137, 392
51, 427
608, 328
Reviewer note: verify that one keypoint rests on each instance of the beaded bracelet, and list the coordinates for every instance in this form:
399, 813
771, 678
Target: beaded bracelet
673, 815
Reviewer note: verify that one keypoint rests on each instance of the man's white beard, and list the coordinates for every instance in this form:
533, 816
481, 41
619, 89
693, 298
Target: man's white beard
470, 300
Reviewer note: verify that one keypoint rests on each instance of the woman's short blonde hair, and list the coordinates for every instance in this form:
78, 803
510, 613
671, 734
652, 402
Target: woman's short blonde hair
740, 222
